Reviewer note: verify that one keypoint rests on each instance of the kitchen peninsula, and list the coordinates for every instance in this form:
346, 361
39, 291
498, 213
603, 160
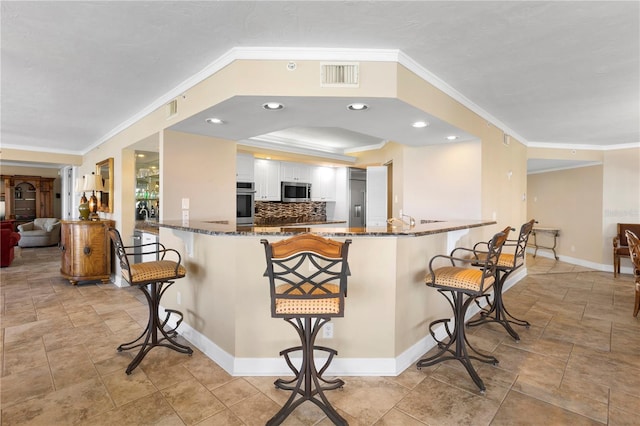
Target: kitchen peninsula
225, 297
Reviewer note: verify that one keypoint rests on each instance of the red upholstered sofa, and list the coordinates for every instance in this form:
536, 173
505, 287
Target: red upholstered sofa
8, 240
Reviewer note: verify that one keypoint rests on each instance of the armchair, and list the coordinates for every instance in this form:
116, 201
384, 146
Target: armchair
8, 240
39, 233
621, 245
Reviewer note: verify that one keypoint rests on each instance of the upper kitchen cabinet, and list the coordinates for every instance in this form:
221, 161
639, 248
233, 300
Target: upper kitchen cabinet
294, 172
323, 184
244, 168
267, 180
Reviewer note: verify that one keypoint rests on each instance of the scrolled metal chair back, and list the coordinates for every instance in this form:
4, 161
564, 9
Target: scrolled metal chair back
119, 249
494, 248
307, 267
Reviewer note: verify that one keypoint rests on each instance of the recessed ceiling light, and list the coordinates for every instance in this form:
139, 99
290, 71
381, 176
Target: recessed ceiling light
140, 155
214, 120
357, 107
420, 124
272, 106
452, 138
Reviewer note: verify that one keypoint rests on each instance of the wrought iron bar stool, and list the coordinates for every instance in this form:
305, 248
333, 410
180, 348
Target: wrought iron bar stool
634, 252
507, 264
308, 284
153, 279
463, 284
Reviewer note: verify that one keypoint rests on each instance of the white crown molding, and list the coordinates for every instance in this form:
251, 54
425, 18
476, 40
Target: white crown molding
208, 71
299, 53
296, 150
366, 148
41, 149
289, 142
440, 84
28, 164
583, 147
315, 54
557, 169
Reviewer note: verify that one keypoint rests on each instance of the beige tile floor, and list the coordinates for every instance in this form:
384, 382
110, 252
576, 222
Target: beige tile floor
579, 362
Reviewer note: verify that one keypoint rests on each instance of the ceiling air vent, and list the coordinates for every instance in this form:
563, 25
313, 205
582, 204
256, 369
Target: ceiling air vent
339, 74
172, 108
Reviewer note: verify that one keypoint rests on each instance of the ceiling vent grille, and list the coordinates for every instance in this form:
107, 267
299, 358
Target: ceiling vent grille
339, 74
172, 108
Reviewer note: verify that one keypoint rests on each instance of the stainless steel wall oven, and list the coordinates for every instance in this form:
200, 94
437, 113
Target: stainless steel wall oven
245, 202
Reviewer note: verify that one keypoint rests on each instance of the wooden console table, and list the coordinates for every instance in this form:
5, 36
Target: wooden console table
86, 250
554, 232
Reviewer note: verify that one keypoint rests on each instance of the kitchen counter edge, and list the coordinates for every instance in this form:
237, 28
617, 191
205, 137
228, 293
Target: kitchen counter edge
225, 229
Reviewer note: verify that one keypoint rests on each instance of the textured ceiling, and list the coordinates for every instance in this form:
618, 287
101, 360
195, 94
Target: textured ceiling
554, 72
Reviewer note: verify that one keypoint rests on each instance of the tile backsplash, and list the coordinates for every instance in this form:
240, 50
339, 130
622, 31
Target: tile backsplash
276, 213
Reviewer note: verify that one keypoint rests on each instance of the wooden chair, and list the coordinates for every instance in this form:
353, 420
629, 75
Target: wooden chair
153, 279
460, 286
634, 251
507, 264
308, 284
621, 245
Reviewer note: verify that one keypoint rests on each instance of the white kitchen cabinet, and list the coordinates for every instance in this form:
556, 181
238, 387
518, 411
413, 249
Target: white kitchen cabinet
294, 172
244, 168
323, 183
267, 179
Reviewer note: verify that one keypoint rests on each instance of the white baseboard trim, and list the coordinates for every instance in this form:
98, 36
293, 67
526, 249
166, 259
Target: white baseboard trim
339, 366
581, 262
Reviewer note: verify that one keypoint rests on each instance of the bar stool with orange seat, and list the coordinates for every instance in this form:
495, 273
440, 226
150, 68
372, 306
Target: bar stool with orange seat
463, 284
153, 279
507, 264
308, 284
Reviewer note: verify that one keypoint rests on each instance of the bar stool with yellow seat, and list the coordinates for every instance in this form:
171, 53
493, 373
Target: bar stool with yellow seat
153, 279
507, 264
463, 284
308, 284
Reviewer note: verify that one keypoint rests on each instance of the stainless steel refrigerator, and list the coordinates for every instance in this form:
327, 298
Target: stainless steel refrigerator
357, 197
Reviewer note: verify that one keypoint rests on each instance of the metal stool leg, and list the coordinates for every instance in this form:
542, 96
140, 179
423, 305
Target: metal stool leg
308, 383
498, 312
150, 337
458, 339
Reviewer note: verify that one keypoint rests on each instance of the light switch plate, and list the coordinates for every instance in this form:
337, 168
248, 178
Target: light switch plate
185, 204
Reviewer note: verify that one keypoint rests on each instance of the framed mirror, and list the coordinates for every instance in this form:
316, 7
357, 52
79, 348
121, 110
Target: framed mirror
104, 169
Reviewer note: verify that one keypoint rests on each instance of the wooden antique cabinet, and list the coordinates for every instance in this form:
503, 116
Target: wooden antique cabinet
86, 250
27, 197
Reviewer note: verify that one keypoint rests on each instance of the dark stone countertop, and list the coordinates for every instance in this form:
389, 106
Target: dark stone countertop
224, 228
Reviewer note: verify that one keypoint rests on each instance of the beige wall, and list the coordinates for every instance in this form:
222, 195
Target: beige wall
39, 157
387, 310
570, 200
379, 79
598, 197
199, 168
501, 196
621, 196
443, 181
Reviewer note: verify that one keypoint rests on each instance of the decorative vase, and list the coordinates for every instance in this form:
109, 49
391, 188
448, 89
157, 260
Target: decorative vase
83, 208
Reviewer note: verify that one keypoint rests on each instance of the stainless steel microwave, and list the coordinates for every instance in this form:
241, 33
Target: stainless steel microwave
295, 192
